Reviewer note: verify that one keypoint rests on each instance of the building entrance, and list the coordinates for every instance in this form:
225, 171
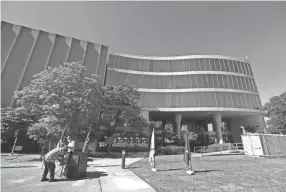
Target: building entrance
206, 131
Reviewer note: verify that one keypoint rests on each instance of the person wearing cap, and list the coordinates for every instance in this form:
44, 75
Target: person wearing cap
71, 148
49, 162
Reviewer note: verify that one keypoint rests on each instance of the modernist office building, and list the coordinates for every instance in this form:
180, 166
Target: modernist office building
196, 91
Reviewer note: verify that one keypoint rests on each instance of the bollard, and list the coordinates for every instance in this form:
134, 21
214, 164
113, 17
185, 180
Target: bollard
123, 159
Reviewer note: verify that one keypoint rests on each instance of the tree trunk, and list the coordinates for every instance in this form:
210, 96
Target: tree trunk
50, 144
42, 152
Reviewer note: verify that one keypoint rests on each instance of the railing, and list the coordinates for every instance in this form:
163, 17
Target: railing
221, 149
127, 142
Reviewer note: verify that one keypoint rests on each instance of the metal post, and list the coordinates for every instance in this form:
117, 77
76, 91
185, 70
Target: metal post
123, 159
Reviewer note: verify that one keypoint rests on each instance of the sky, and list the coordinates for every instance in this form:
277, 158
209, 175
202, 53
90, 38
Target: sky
239, 29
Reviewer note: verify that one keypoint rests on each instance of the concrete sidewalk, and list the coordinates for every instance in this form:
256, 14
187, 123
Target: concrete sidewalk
103, 175
117, 179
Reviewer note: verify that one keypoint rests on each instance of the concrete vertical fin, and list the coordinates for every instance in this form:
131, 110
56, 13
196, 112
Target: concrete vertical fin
83, 44
68, 41
52, 37
35, 34
17, 30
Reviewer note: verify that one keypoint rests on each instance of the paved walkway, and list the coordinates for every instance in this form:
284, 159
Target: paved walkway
117, 179
103, 175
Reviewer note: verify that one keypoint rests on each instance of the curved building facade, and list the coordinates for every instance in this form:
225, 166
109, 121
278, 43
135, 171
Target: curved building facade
211, 94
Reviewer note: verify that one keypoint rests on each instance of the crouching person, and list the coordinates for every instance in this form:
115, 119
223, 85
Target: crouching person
49, 162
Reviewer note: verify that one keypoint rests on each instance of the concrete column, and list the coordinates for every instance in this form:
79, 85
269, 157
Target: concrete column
178, 121
163, 128
217, 125
145, 114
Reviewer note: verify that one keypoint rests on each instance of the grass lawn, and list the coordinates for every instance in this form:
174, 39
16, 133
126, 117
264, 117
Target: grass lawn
215, 173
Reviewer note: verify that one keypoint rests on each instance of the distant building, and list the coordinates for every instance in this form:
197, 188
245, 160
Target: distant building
191, 90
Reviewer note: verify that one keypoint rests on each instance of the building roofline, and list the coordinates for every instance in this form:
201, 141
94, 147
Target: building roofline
177, 57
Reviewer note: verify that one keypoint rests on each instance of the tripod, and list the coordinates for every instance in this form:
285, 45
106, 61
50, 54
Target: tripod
11, 155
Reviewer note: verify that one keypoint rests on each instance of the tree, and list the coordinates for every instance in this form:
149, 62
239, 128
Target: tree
276, 111
13, 119
39, 133
120, 108
63, 94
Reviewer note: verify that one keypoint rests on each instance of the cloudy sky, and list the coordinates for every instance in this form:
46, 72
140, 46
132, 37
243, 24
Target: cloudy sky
240, 29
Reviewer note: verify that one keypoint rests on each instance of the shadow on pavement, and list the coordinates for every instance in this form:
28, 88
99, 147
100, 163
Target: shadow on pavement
17, 167
206, 171
172, 169
89, 175
106, 166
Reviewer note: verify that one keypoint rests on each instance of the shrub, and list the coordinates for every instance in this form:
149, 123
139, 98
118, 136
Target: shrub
170, 150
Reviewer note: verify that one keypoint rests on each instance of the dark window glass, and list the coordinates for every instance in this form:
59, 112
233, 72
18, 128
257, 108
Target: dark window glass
226, 64
189, 81
248, 84
161, 65
202, 99
254, 84
235, 82
115, 61
135, 64
209, 81
207, 99
225, 81
205, 81
239, 100
172, 82
190, 98
235, 66
222, 65
224, 99
120, 62
151, 81
202, 64
217, 67
192, 64
184, 81
228, 99
180, 65
231, 66
194, 81
124, 63
250, 70
239, 83
186, 65
197, 65
218, 99
243, 68
234, 101
212, 99
216, 82
212, 64
171, 63
207, 64
220, 80
110, 61
199, 80
237, 63
176, 82
245, 85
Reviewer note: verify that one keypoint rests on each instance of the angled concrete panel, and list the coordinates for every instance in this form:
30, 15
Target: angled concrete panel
38, 58
76, 51
59, 52
91, 59
15, 64
7, 38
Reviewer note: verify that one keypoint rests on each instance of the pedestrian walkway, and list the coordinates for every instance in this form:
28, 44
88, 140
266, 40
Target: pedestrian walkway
103, 175
118, 179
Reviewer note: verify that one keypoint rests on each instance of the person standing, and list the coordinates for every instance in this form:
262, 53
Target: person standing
49, 162
71, 148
